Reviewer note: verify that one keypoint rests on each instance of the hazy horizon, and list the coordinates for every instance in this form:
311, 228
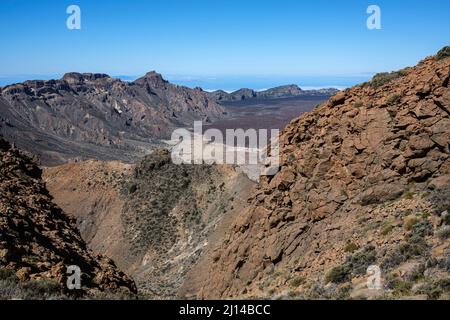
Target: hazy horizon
228, 83
287, 39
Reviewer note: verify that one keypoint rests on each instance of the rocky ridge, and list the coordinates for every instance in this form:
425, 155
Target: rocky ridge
95, 116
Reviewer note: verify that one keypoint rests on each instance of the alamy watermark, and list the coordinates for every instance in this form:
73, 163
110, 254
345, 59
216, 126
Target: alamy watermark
73, 277
374, 278
374, 20
251, 147
73, 22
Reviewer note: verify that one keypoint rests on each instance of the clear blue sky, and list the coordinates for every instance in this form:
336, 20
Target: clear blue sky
219, 37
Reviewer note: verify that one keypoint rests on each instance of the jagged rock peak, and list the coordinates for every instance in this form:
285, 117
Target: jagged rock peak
152, 78
75, 77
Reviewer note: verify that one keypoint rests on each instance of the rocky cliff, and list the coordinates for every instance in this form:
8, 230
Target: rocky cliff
38, 241
96, 116
364, 180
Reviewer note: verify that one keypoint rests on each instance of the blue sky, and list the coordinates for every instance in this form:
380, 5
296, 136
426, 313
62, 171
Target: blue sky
187, 40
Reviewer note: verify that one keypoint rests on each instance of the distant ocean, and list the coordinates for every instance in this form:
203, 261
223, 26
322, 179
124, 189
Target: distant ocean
231, 83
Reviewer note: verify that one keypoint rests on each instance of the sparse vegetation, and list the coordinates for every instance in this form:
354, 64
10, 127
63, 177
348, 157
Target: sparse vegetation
408, 195
417, 273
443, 233
443, 53
132, 189
317, 106
394, 99
387, 229
297, 281
445, 216
6, 274
436, 288
49, 289
415, 245
339, 274
410, 221
361, 260
351, 247
358, 104
422, 229
399, 286
354, 265
372, 226
330, 292
381, 79
42, 289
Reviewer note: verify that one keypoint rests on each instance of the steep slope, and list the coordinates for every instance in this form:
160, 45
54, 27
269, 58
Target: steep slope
365, 180
155, 218
37, 240
96, 116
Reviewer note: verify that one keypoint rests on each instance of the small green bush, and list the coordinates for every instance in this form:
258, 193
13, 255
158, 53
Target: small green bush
355, 264
408, 195
410, 221
351, 247
361, 260
371, 226
297, 281
132, 189
399, 286
436, 289
416, 246
358, 104
383, 78
317, 106
443, 53
417, 273
443, 233
6, 274
42, 288
422, 229
386, 230
339, 274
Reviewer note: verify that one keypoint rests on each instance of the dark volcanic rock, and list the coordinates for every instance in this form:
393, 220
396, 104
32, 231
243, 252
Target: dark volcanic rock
96, 116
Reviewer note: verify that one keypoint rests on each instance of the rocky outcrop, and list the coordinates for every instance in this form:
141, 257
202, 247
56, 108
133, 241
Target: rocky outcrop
351, 172
288, 91
38, 241
95, 116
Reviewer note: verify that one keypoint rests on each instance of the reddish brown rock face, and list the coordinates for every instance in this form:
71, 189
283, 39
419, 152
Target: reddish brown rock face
37, 239
366, 147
